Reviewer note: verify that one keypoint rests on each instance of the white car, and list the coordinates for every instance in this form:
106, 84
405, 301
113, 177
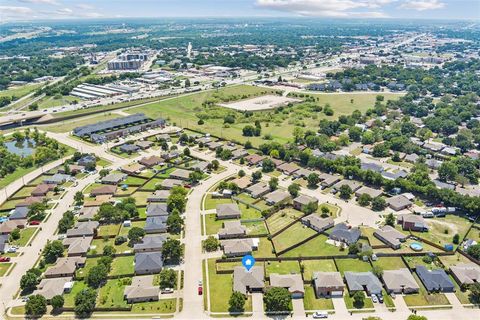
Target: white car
374, 298
167, 290
320, 315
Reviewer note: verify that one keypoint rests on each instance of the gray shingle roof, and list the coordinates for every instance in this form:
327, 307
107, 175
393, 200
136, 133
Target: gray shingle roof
359, 281
110, 124
341, 232
148, 262
434, 280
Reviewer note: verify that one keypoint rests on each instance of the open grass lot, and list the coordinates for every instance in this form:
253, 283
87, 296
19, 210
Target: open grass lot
218, 285
423, 298
25, 235
70, 297
20, 91
265, 249
354, 265
474, 233
50, 102
442, 230
349, 302
390, 263
108, 230
293, 235
311, 302
255, 228
211, 203
282, 267
24, 192
315, 247
111, 295
4, 266
311, 266
282, 218
162, 306
212, 224
98, 245
122, 265
334, 210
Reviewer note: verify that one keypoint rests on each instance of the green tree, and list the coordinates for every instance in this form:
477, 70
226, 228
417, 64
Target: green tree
364, 199
378, 271
390, 220
85, 302
358, 299
52, 251
345, 192
294, 189
277, 299
474, 251
57, 302
29, 281
96, 276
257, 175
313, 179
78, 197
172, 251
236, 302
168, 278
36, 211
174, 223
273, 183
15, 234
211, 244
135, 234
36, 306
456, 238
379, 203
109, 250
474, 295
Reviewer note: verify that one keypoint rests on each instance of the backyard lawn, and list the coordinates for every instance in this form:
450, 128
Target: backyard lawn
255, 228
293, 235
265, 249
111, 295
211, 203
122, 265
315, 247
108, 230
311, 266
70, 297
212, 224
249, 212
98, 245
354, 265
442, 230
282, 218
390, 263
282, 267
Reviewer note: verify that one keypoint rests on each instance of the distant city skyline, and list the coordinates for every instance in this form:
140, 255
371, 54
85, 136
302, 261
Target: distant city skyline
15, 10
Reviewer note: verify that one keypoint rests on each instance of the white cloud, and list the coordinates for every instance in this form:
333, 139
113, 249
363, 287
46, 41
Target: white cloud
14, 11
52, 2
328, 8
85, 6
421, 5
64, 11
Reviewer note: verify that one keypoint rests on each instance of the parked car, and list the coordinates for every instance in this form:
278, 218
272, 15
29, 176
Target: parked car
200, 283
4, 259
200, 290
380, 298
12, 250
374, 298
34, 223
320, 315
167, 290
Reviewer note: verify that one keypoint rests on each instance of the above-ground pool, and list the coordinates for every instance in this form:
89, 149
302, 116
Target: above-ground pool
416, 246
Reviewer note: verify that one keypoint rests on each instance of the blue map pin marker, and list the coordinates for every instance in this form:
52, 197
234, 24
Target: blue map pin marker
248, 261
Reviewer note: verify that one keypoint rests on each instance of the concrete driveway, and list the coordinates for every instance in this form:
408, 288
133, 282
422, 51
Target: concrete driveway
340, 307
257, 305
298, 308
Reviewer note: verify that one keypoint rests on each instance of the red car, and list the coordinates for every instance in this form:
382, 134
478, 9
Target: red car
200, 291
34, 223
4, 259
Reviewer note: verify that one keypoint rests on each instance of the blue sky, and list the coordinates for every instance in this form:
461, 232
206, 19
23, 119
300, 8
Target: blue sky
405, 9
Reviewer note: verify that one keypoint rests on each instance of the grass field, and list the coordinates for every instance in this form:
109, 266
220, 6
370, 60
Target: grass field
354, 265
122, 265
20, 91
311, 266
442, 230
349, 302
282, 218
70, 297
265, 249
315, 247
108, 230
212, 224
50, 102
162, 306
255, 228
111, 295
99, 244
282, 267
25, 235
293, 235
390, 263
4, 266
311, 302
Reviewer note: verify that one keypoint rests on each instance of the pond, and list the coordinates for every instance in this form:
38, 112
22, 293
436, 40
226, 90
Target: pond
23, 148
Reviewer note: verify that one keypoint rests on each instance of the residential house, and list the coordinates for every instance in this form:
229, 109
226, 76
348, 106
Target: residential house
128, 148
412, 222
436, 280
328, 180
72, 168
114, 178
398, 202
371, 166
258, 190
104, 190
27, 202
57, 178
159, 196
141, 290
239, 247
373, 193
180, 174
242, 182
228, 211
83, 229
170, 183
343, 233
42, 189
412, 158
87, 213
302, 200
144, 144
466, 273
8, 226
276, 197
443, 185
328, 284
390, 236
150, 243
248, 281
400, 281
302, 173
148, 262
132, 168
288, 168
254, 159
292, 282
20, 213
201, 166
239, 153
232, 229
363, 281
157, 209
65, 267
317, 223
4, 243
77, 246
51, 287
87, 160
156, 224
354, 185
150, 161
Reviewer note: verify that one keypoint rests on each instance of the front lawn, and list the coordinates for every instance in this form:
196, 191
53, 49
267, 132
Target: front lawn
25, 235
349, 302
162, 306
311, 302
4, 266
212, 224
423, 298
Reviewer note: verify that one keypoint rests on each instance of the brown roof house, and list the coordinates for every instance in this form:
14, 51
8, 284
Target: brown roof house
8, 226
228, 211
277, 197
466, 273
65, 267
288, 168
390, 236
232, 229
141, 290
292, 282
400, 281
78, 246
258, 190
239, 247
242, 182
159, 196
373, 193
248, 281
51, 287
150, 161
317, 223
254, 159
302, 200
133, 168
104, 190
83, 229
181, 174
42, 189
398, 202
328, 284
412, 222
